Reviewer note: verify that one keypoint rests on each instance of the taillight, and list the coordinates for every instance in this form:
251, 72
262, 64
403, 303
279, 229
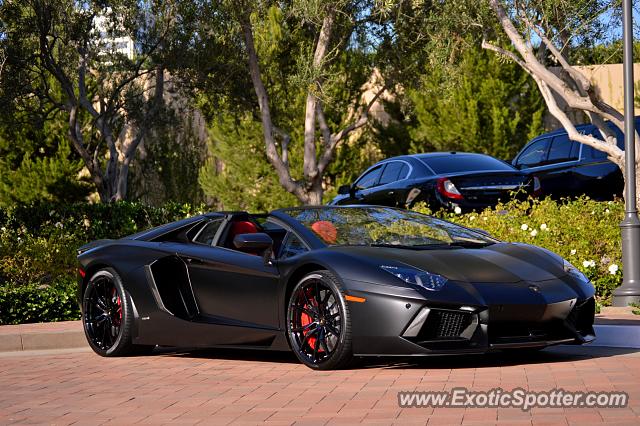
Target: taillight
82, 272
448, 189
537, 187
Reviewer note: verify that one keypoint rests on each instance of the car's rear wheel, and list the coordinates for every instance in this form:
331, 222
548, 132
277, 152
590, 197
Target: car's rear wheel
318, 322
107, 315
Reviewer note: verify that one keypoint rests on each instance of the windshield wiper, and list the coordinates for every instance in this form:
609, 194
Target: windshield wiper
412, 247
470, 244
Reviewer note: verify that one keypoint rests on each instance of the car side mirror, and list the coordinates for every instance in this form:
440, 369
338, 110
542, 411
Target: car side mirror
258, 241
344, 190
254, 241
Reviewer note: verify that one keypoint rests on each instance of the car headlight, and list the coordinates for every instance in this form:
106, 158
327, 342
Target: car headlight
426, 280
574, 272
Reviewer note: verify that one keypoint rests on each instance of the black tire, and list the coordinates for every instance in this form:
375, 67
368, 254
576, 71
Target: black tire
107, 316
319, 323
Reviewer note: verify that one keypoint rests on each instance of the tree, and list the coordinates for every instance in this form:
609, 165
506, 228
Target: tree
313, 55
237, 174
555, 24
65, 57
538, 36
493, 107
37, 163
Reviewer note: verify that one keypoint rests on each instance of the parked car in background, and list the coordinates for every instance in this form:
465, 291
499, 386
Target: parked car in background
567, 168
441, 179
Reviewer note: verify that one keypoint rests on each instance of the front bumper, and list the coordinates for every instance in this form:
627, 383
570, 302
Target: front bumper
403, 324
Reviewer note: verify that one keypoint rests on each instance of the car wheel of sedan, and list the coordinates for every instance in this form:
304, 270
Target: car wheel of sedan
318, 322
107, 315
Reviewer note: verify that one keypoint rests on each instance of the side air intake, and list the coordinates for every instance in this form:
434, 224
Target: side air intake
172, 288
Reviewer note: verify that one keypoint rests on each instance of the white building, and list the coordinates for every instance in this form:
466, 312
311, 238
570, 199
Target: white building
113, 44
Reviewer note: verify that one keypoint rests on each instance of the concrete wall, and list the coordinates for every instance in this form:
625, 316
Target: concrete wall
608, 82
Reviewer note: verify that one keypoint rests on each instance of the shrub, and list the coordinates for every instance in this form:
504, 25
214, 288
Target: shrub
38, 242
38, 302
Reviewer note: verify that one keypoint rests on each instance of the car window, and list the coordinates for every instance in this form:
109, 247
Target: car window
404, 172
596, 154
457, 163
206, 235
393, 171
562, 149
590, 153
292, 247
369, 179
534, 154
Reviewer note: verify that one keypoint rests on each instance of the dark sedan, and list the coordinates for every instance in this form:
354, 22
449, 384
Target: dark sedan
566, 168
330, 284
441, 179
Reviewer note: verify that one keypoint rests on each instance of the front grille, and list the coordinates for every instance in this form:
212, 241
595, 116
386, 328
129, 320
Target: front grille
441, 324
579, 321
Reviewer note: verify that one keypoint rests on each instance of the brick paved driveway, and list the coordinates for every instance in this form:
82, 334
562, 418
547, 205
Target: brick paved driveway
218, 387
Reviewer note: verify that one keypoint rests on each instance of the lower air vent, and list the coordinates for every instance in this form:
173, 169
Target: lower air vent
445, 325
581, 316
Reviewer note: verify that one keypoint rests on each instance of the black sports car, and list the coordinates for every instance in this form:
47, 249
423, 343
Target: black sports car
330, 283
443, 180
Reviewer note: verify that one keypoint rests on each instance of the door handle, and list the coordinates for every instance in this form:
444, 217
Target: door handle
390, 193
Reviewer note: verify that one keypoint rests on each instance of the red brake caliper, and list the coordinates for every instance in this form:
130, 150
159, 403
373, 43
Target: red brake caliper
118, 317
305, 319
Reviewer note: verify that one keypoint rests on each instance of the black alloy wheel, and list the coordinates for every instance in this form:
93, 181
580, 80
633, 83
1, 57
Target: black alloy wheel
107, 315
318, 322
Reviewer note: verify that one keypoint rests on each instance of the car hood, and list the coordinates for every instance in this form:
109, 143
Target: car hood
497, 263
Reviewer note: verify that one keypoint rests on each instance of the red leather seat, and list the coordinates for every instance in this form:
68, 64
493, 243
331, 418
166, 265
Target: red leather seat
242, 227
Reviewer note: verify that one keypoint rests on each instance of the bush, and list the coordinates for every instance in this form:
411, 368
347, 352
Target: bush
583, 231
38, 242
39, 303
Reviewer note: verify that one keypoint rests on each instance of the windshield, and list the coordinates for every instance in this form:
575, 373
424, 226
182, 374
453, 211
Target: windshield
382, 226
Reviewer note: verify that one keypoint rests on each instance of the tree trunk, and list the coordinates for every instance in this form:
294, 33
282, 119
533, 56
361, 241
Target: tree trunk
315, 193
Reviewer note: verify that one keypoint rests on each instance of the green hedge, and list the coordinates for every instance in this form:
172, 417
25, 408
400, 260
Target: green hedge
39, 302
38, 244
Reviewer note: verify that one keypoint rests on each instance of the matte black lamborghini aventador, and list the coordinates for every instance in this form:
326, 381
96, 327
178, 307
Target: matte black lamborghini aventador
330, 283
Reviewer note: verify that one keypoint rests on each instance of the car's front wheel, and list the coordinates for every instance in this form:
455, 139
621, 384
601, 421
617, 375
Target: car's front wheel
107, 315
318, 322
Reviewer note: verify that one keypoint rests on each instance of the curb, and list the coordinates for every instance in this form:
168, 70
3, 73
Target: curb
43, 336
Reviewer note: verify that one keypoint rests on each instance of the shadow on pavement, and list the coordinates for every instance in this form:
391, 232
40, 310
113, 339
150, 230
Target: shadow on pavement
548, 355
256, 355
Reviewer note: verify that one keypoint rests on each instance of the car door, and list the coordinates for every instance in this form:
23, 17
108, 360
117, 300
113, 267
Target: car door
556, 174
232, 287
595, 174
389, 188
